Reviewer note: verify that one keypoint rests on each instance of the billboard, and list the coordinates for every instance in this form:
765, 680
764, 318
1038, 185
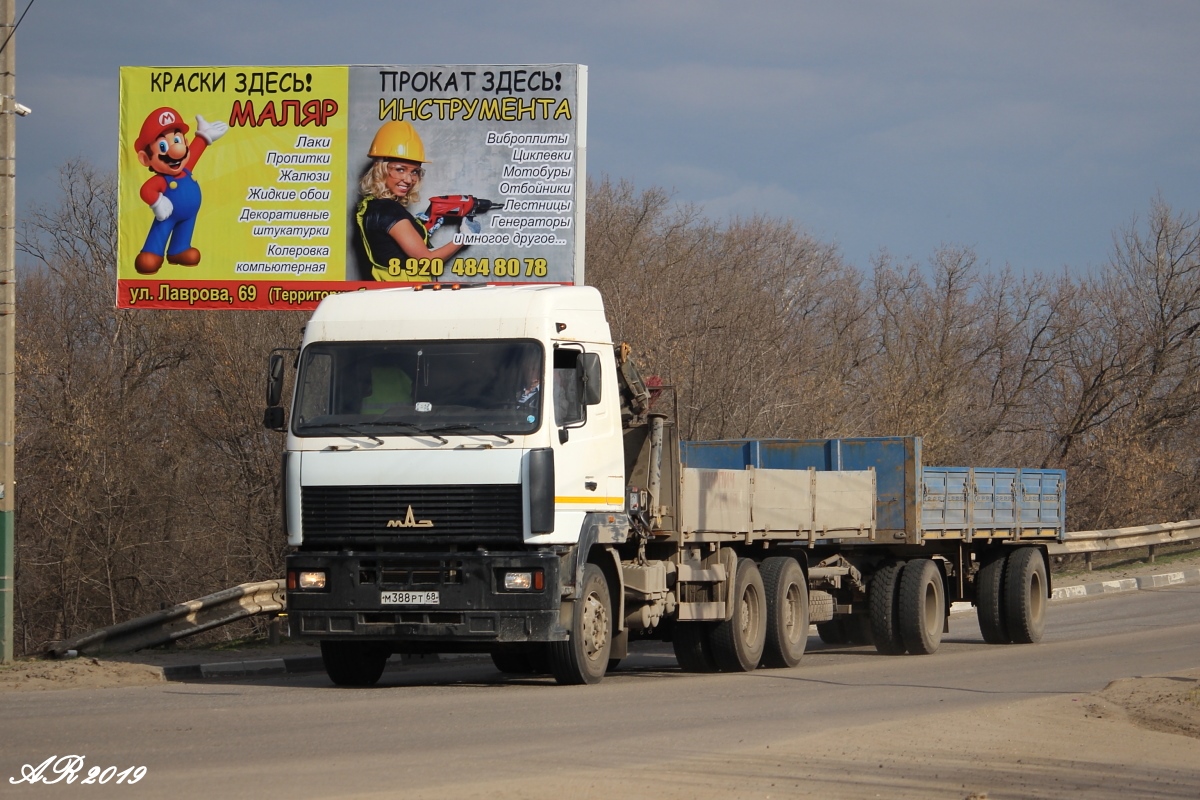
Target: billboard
272, 187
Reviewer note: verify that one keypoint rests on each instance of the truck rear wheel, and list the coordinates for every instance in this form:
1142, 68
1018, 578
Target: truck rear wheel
858, 629
989, 600
583, 657
690, 642
922, 606
738, 642
833, 631
787, 611
353, 663
883, 597
1025, 595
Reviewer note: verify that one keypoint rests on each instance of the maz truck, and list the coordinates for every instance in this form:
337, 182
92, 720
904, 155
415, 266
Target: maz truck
480, 469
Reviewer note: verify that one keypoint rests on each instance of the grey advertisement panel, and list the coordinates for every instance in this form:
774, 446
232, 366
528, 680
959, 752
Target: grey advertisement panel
502, 153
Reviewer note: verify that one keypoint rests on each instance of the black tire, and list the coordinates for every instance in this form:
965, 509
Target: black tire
353, 663
512, 663
989, 600
787, 611
738, 642
583, 657
922, 606
613, 663
883, 598
690, 642
526, 660
833, 631
858, 629
1025, 595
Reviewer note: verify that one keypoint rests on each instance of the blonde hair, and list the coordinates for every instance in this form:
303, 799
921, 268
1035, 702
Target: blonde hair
373, 182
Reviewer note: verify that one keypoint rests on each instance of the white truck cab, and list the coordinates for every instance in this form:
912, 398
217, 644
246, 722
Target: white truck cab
446, 449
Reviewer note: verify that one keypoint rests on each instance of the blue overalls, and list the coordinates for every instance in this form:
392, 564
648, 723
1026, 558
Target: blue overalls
184, 194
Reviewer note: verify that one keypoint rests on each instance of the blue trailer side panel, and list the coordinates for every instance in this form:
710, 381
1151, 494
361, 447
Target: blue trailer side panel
911, 498
975, 499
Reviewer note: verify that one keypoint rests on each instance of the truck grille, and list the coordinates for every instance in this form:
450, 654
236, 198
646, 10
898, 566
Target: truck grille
389, 513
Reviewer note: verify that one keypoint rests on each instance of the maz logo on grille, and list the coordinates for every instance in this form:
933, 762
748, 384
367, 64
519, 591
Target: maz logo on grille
409, 521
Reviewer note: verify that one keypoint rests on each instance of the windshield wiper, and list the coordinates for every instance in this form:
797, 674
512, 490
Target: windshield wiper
469, 429
397, 423
352, 428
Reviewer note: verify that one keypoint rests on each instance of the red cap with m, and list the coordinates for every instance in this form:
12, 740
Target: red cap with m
157, 123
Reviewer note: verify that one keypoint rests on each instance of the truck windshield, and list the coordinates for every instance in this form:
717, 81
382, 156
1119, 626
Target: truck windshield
406, 388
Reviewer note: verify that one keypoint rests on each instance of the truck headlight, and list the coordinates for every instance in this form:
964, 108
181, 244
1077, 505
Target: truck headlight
311, 580
517, 581
524, 581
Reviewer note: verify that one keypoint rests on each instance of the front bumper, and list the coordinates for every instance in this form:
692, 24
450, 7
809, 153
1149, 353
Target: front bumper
473, 611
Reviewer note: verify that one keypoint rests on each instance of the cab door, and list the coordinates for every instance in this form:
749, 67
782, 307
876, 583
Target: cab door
589, 459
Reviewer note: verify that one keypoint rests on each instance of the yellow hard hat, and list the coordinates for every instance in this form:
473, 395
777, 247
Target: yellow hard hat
397, 140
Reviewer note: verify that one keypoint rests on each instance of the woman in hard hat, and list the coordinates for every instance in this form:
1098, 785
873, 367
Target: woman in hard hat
390, 234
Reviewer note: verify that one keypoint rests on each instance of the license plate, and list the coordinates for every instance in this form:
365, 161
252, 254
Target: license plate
408, 598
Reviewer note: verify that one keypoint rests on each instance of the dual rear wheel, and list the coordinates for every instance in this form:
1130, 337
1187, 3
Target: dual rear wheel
768, 627
907, 602
1011, 596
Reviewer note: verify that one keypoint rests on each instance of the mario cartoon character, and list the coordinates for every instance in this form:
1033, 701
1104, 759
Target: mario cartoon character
172, 194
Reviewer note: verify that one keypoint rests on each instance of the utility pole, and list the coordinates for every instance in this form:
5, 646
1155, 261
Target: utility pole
8, 324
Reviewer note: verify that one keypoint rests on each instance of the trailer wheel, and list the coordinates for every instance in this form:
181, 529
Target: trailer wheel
883, 596
353, 663
989, 600
787, 611
583, 657
833, 631
922, 606
692, 649
738, 642
1025, 595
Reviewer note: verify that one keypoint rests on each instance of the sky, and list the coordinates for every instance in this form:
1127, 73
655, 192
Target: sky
1031, 131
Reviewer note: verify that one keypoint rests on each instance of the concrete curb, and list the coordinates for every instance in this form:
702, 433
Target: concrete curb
1127, 584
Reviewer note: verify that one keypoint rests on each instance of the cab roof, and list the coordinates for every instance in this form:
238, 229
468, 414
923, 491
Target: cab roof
562, 313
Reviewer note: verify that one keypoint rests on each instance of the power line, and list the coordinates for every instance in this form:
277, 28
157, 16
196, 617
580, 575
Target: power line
14, 29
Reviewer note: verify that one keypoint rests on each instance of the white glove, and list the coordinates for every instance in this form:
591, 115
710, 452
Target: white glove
162, 207
469, 225
210, 131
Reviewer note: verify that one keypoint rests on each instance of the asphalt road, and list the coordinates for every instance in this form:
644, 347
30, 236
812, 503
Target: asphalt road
461, 729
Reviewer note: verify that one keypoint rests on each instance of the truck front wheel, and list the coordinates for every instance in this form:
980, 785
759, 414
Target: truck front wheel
583, 657
353, 663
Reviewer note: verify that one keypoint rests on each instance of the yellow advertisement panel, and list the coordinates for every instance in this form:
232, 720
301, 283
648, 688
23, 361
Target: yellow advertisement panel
271, 187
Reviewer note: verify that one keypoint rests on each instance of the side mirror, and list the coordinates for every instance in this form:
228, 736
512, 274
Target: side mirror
274, 379
273, 419
588, 367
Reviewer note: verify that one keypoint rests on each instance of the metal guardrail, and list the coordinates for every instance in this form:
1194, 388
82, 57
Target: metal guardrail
178, 622
1123, 538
